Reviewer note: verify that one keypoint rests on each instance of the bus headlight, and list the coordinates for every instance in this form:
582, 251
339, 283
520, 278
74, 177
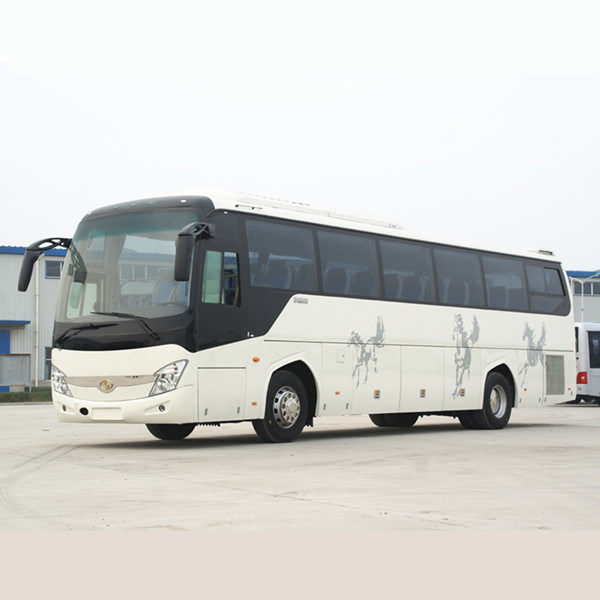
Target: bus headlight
59, 382
168, 377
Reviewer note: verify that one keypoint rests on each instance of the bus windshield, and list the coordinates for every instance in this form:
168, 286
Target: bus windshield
122, 265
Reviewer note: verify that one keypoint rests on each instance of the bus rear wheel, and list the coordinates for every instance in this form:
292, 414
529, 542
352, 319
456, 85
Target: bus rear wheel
379, 420
466, 419
286, 409
497, 404
171, 432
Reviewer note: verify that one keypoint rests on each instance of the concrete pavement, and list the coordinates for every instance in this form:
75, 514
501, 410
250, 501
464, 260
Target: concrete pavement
541, 472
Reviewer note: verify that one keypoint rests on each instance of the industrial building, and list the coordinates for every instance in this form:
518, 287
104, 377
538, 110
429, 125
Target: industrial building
27, 318
585, 286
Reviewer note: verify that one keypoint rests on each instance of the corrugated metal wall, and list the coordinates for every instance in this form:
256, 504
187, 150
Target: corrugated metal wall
20, 306
591, 308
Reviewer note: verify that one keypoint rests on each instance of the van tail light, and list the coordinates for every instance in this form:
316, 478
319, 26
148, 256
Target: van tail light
582, 378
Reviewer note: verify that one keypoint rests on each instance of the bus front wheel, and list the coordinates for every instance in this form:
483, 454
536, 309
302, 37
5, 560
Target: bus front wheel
286, 410
171, 432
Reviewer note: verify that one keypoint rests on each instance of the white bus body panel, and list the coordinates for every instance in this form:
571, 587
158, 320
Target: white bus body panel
131, 373
592, 388
365, 357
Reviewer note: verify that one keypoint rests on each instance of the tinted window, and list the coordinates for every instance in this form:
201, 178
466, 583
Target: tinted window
547, 294
227, 225
553, 282
505, 283
407, 271
348, 264
281, 256
594, 341
536, 279
459, 277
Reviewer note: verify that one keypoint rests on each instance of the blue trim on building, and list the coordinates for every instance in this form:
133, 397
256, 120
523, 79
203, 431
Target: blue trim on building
583, 274
21, 250
4, 349
9, 322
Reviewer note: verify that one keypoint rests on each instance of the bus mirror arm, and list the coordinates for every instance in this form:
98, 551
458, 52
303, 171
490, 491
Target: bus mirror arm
32, 253
184, 246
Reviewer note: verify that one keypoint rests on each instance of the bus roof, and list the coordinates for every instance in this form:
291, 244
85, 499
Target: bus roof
224, 199
272, 207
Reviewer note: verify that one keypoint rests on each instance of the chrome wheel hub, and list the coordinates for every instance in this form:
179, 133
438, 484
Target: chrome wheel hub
286, 407
498, 401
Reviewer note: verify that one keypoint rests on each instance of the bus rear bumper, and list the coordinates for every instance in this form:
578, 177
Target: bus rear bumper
171, 407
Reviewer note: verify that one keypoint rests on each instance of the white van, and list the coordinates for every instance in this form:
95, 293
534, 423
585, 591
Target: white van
587, 337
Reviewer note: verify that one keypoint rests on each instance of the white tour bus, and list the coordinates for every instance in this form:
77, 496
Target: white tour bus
588, 361
199, 310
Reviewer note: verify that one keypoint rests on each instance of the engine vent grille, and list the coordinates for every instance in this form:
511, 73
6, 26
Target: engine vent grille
555, 375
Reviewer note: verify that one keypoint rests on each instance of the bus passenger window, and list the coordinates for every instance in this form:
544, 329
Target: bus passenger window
505, 283
349, 264
594, 346
408, 271
553, 283
547, 294
281, 256
459, 277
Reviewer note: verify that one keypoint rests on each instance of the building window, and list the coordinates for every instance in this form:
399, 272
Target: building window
590, 288
53, 269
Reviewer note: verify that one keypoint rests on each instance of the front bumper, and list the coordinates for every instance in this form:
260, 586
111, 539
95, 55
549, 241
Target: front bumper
177, 406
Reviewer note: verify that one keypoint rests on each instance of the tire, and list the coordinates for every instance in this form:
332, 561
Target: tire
401, 419
466, 419
171, 432
497, 404
379, 420
394, 419
286, 409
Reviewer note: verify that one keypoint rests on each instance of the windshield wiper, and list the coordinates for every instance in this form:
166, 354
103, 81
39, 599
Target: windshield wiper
139, 319
77, 328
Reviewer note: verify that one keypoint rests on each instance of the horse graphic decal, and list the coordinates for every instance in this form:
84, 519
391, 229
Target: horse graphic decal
365, 353
462, 357
534, 349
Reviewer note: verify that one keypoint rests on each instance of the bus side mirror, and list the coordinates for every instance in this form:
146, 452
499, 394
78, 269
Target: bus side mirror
29, 260
184, 247
33, 253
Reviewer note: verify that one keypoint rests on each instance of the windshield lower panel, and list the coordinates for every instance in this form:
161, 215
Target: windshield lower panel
119, 269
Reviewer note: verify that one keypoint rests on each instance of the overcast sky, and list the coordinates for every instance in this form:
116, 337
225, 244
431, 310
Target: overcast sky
476, 121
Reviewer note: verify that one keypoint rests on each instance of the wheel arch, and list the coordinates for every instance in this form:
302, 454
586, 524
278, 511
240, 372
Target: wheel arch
304, 372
